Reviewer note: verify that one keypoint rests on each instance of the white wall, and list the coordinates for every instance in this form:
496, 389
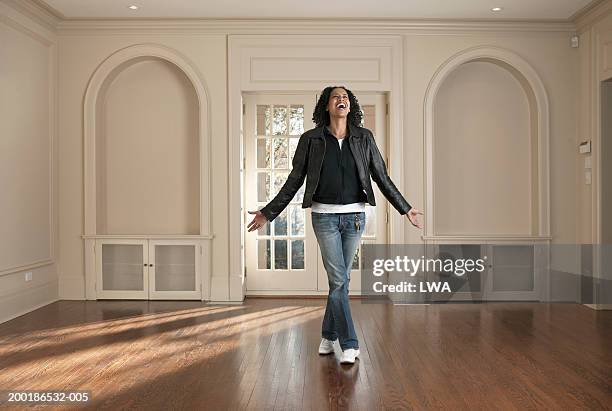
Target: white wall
28, 158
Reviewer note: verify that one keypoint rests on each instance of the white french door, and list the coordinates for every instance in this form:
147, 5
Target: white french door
283, 256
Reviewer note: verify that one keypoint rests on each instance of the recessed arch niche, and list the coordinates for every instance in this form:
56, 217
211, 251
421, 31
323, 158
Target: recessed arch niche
146, 128
486, 147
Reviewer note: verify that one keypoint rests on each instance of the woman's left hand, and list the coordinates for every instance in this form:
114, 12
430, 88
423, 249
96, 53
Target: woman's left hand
412, 217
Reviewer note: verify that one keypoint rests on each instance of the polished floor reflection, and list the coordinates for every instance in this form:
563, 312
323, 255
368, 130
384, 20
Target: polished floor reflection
263, 355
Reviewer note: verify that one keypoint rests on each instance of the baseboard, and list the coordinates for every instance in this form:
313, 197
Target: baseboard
226, 302
27, 311
599, 306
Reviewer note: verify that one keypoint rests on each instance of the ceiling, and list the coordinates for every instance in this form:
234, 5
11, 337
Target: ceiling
404, 9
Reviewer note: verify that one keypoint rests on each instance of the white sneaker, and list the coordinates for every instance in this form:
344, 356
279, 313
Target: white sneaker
326, 346
349, 355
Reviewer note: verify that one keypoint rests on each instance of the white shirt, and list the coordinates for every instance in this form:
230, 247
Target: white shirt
338, 208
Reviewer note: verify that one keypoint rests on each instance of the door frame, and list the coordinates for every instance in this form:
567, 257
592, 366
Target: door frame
376, 65
381, 101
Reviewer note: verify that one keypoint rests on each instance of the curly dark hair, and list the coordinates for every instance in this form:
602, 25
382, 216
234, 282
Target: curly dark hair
320, 115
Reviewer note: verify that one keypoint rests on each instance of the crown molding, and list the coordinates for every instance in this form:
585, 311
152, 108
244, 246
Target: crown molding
42, 4
592, 13
307, 26
56, 21
37, 11
585, 10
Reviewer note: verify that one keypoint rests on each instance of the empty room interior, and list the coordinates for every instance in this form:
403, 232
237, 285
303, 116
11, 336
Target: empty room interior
306, 205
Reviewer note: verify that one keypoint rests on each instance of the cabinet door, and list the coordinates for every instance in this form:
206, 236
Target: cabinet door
512, 274
174, 270
468, 286
121, 269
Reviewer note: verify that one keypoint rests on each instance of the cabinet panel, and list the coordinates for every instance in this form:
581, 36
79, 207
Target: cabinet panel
465, 287
174, 269
512, 269
512, 274
121, 269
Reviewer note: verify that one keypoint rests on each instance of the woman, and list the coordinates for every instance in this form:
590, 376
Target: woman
337, 188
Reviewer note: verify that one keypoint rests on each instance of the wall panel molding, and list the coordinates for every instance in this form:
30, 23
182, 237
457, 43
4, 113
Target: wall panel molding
26, 267
17, 19
300, 69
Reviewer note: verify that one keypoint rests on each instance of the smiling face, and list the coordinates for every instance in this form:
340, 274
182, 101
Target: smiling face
338, 104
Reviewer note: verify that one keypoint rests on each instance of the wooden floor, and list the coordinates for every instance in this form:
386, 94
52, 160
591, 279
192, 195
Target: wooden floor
263, 355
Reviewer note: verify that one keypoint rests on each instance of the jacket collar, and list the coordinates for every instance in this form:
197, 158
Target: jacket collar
354, 131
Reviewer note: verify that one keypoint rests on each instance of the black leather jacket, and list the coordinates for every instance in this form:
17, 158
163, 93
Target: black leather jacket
308, 160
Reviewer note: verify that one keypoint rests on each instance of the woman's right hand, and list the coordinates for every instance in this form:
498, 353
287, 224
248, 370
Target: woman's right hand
258, 221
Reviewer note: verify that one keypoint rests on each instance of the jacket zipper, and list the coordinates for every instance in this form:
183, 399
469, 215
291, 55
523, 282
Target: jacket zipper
341, 170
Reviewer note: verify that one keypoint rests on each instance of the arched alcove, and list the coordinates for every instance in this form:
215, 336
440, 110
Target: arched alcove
486, 143
147, 151
147, 177
146, 140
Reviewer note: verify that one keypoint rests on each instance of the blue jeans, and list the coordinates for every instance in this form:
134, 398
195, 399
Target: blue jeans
338, 235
